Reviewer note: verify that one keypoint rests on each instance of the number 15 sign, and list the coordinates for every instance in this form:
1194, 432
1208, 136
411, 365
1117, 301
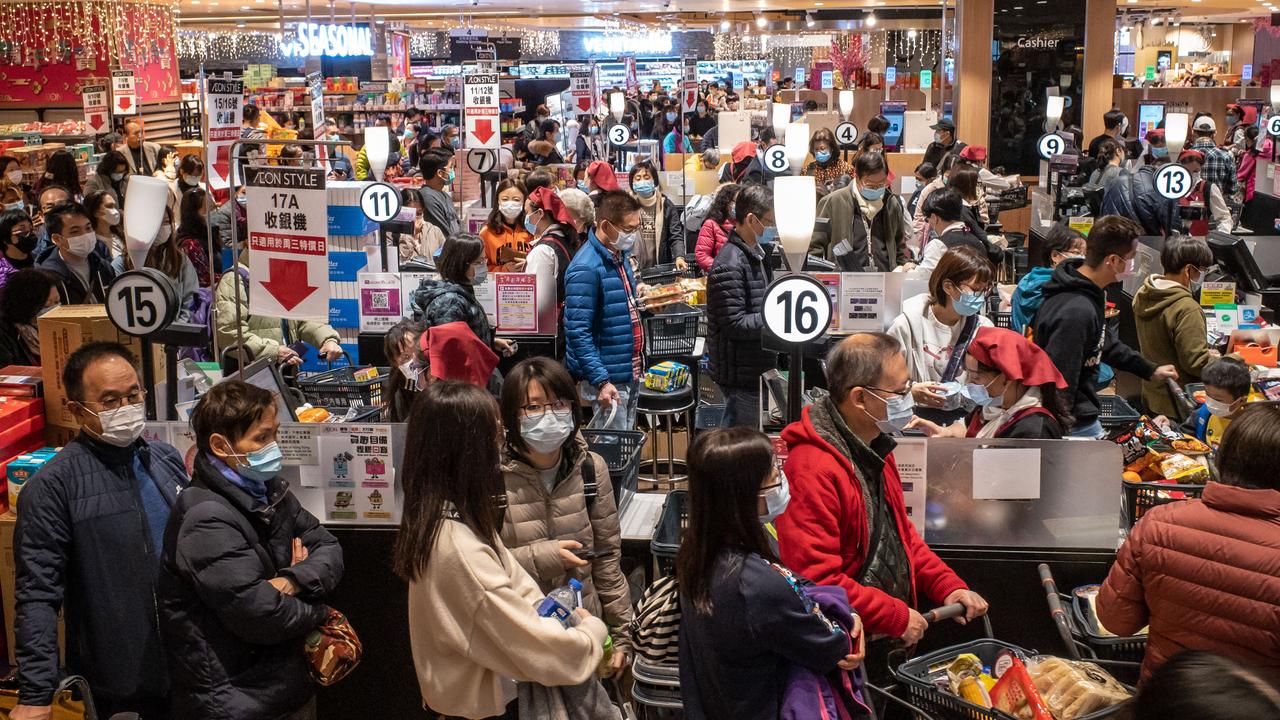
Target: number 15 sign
797, 309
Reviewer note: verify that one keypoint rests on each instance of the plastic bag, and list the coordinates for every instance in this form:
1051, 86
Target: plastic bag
1015, 693
1073, 689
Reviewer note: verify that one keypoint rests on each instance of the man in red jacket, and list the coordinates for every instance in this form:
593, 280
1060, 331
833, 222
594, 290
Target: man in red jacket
847, 522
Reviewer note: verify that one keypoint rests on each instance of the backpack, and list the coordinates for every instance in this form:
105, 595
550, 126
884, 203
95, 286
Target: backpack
695, 212
655, 631
201, 313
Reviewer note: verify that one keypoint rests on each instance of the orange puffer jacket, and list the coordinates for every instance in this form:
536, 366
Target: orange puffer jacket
1205, 575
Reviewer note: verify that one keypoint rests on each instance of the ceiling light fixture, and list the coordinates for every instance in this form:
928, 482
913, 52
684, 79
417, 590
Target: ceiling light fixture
761, 21
871, 19
724, 25
808, 20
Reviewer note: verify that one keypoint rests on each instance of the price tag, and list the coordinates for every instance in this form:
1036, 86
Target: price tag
1273, 126
481, 161
380, 202
1173, 182
1050, 144
142, 302
846, 133
619, 134
775, 159
797, 309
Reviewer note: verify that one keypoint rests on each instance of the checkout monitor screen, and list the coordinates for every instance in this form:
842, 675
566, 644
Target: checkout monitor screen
894, 112
1150, 115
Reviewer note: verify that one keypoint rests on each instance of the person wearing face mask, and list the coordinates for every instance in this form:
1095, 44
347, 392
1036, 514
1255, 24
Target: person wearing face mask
190, 171
847, 523
935, 327
50, 197
142, 157
107, 223
193, 236
83, 274
1205, 199
1157, 151
100, 568
562, 518
552, 223
945, 212
588, 146
1060, 243
661, 232
674, 141
545, 149
438, 175
26, 296
1228, 387
735, 298
1170, 324
400, 346
604, 339
746, 618
17, 244
10, 171
1219, 167
827, 165
505, 235
166, 255
944, 142
426, 240
452, 298
109, 176
245, 572
1114, 125
1071, 328
1013, 388
866, 227
701, 122
1236, 126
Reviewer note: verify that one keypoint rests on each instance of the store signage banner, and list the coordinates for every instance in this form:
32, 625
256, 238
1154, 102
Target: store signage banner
224, 103
689, 97
358, 473
288, 244
124, 95
580, 89
97, 112
516, 302
316, 40
629, 72
315, 91
480, 110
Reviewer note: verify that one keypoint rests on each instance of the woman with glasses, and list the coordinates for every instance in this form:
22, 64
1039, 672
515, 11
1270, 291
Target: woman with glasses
562, 517
1171, 325
473, 623
452, 298
934, 324
746, 619
1013, 387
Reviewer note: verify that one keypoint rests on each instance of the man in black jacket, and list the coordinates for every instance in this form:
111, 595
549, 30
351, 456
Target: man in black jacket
735, 296
1071, 327
88, 541
83, 274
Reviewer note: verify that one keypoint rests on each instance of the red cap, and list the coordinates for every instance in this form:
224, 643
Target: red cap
546, 199
1190, 154
1016, 357
455, 353
1157, 134
601, 173
743, 150
974, 153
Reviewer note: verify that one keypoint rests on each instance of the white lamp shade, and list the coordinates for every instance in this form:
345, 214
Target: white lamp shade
1175, 133
617, 104
377, 147
1053, 112
797, 145
795, 204
781, 116
145, 200
1275, 95
846, 103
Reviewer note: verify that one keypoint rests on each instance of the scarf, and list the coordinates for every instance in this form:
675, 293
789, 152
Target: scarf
869, 207
655, 202
996, 418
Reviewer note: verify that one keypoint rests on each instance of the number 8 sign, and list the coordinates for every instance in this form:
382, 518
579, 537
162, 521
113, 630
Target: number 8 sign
1173, 182
797, 309
775, 159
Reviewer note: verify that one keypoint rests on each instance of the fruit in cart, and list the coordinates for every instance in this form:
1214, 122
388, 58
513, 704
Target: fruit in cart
1074, 689
1130, 476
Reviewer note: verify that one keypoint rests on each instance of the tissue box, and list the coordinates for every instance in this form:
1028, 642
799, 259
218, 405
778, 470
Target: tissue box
21, 469
667, 376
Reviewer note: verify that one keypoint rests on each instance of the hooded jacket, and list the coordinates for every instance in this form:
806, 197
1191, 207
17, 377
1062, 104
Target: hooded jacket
711, 238
735, 325
538, 518
597, 316
1204, 575
1028, 296
1070, 327
71, 289
234, 641
441, 301
825, 533
1171, 331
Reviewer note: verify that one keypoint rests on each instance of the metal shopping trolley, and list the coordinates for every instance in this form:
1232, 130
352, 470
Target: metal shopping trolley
1083, 636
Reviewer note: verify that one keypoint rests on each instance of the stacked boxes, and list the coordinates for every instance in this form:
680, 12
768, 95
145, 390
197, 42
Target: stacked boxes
21, 469
350, 232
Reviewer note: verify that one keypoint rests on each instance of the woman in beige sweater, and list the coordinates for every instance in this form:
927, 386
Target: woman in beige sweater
473, 626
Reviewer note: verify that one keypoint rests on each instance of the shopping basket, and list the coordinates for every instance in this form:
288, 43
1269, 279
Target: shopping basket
667, 533
1139, 497
1115, 411
338, 387
620, 450
672, 333
71, 701
1078, 630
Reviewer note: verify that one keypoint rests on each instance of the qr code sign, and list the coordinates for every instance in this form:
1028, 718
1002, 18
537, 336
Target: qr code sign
380, 300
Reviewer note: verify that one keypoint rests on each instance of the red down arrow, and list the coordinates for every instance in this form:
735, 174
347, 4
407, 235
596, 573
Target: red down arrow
287, 282
483, 131
125, 102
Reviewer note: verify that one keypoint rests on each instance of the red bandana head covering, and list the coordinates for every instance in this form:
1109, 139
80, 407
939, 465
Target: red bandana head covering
743, 150
455, 353
601, 173
546, 199
1016, 357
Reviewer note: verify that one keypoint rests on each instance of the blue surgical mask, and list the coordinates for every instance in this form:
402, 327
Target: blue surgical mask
776, 500
671, 117
899, 409
768, 237
530, 225
970, 303
643, 188
1160, 152
871, 194
626, 241
823, 156
980, 395
582, 185
262, 464
117, 177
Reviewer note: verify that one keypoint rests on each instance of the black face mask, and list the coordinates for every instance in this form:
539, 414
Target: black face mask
25, 244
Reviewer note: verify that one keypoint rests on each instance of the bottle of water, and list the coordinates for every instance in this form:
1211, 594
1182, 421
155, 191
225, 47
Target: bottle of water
561, 602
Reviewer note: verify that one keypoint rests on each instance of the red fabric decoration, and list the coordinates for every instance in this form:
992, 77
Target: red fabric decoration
974, 153
1016, 357
547, 199
601, 173
455, 353
1190, 154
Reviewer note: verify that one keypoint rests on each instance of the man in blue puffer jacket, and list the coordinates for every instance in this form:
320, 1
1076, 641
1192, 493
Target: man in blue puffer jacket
603, 337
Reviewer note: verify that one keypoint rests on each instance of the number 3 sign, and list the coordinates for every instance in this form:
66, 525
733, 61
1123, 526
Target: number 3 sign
797, 309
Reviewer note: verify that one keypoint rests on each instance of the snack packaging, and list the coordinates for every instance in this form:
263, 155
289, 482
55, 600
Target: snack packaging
667, 376
1073, 689
1183, 470
1015, 693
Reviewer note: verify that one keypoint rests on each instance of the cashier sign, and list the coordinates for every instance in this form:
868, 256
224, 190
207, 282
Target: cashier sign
288, 218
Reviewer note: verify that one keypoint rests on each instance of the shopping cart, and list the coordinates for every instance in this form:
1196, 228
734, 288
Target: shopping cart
1080, 632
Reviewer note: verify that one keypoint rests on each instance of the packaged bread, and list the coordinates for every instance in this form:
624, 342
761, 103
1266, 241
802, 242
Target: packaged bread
1073, 689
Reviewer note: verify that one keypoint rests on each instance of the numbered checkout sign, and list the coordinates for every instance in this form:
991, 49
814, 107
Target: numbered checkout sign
619, 134
775, 159
1050, 144
142, 302
846, 133
1273, 126
380, 202
1173, 182
797, 309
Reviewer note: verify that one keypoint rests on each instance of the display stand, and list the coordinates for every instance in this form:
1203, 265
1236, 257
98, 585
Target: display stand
797, 311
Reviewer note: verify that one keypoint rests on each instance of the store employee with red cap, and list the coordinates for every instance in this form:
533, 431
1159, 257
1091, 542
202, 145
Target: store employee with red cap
1013, 384
1207, 197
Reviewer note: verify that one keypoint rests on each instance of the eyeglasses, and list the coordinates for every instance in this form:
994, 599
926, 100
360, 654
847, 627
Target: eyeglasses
115, 403
537, 410
899, 393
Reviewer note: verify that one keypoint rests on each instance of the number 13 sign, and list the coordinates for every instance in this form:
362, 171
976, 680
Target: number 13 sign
797, 309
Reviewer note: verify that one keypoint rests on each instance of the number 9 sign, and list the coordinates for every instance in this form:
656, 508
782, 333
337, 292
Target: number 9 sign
1173, 182
619, 134
797, 309
1050, 144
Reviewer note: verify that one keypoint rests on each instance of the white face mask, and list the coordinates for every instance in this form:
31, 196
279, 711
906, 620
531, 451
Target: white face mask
1217, 408
14, 176
165, 232
112, 216
776, 499
1130, 269
81, 245
547, 433
626, 241
122, 426
510, 209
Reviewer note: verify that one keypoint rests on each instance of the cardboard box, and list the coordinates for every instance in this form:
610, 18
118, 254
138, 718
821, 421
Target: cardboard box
66, 328
19, 470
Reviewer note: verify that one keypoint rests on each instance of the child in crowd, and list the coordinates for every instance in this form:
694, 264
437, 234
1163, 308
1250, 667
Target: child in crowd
1227, 387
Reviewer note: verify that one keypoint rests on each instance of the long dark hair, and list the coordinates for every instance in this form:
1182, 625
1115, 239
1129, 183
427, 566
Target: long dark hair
109, 162
722, 206
93, 203
459, 253
496, 222
555, 382
25, 294
396, 381
61, 170
190, 224
727, 467
443, 466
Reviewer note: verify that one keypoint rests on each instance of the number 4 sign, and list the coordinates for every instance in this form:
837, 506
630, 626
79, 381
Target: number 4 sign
797, 309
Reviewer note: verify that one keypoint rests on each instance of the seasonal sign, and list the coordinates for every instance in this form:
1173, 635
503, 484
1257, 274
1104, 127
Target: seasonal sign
288, 245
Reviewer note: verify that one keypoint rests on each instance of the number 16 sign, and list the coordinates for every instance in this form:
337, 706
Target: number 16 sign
797, 309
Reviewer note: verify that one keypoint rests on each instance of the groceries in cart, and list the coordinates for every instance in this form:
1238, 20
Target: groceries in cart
1029, 687
1087, 597
1161, 454
692, 291
667, 377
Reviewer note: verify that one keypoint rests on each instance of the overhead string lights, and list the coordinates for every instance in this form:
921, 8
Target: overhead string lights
131, 32
200, 45
540, 43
